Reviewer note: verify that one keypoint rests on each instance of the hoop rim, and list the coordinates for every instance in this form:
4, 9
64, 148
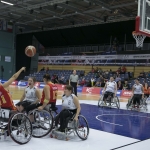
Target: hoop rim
137, 33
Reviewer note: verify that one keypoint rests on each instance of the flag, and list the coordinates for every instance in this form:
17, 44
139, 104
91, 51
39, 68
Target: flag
9, 26
4, 25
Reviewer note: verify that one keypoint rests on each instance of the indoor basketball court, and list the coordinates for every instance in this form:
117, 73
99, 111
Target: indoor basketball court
110, 128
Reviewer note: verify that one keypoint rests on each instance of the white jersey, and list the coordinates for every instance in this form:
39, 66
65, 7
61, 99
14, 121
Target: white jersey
30, 94
67, 102
110, 86
137, 89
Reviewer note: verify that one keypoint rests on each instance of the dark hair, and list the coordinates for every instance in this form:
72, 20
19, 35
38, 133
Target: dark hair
33, 78
69, 87
47, 77
137, 79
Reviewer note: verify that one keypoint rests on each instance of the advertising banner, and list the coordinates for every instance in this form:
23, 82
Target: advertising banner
91, 90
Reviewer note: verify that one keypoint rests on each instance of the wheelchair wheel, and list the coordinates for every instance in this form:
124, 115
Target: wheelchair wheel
117, 102
100, 101
20, 128
43, 123
82, 127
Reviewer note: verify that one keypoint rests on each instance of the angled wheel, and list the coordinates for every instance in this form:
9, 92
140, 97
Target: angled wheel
20, 128
100, 101
82, 127
42, 123
117, 102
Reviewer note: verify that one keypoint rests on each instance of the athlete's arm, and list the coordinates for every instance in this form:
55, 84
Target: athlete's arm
23, 96
38, 95
132, 90
13, 78
77, 104
142, 91
105, 87
115, 89
47, 97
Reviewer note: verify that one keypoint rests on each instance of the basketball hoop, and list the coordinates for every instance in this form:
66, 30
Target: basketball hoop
139, 38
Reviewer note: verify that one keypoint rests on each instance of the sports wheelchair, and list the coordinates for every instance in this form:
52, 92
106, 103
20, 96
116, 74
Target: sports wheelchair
18, 126
143, 104
79, 128
110, 101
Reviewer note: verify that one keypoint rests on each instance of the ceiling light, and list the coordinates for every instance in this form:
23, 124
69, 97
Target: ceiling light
6, 3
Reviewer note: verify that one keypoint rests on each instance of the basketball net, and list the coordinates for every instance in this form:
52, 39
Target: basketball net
139, 38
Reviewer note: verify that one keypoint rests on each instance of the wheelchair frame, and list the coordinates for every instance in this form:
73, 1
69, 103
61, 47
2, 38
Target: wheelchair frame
72, 127
143, 104
21, 132
111, 100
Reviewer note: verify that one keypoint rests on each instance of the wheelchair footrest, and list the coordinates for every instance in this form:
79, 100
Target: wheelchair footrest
58, 135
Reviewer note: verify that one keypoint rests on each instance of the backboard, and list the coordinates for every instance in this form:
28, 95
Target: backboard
143, 17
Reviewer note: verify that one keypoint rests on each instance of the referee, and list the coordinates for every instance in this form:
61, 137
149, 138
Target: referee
73, 81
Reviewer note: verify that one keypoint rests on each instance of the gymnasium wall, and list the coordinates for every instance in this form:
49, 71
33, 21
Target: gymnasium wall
7, 49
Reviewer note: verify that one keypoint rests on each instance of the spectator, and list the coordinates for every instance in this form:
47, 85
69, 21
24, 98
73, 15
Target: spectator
119, 70
93, 70
118, 78
47, 70
123, 70
96, 70
83, 82
92, 82
107, 72
61, 80
119, 85
97, 84
55, 78
126, 85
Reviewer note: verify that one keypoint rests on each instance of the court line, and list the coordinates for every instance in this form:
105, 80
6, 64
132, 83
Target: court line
116, 115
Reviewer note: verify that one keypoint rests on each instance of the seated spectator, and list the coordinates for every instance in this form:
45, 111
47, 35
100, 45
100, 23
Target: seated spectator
93, 70
55, 78
83, 82
119, 70
47, 69
118, 78
119, 85
141, 75
82, 73
123, 70
92, 82
61, 80
107, 72
126, 85
146, 89
96, 70
98, 84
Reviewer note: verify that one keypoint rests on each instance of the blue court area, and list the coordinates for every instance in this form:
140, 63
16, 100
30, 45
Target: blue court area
117, 121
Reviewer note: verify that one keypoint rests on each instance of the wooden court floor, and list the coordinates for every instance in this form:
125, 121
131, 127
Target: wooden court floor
16, 93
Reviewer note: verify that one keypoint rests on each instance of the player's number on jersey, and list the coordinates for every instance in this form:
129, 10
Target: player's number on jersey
55, 94
3, 100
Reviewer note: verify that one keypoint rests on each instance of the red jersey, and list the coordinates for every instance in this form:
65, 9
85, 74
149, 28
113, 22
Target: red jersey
53, 93
5, 99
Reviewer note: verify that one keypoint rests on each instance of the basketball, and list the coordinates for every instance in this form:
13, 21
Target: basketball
30, 51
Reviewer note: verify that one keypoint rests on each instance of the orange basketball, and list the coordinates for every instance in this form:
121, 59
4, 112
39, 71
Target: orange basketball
30, 51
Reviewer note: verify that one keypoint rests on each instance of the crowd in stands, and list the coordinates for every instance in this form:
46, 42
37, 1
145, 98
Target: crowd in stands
97, 77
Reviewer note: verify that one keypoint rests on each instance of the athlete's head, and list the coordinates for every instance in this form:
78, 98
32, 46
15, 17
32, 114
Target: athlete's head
31, 81
136, 81
46, 78
111, 79
74, 72
68, 90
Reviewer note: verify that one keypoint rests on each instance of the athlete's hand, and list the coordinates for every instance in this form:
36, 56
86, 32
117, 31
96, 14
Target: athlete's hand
76, 118
23, 68
40, 108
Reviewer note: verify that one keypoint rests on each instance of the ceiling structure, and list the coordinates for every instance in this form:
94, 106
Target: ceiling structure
38, 15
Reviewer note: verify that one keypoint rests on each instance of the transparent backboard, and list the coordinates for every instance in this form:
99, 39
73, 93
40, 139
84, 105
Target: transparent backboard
143, 17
